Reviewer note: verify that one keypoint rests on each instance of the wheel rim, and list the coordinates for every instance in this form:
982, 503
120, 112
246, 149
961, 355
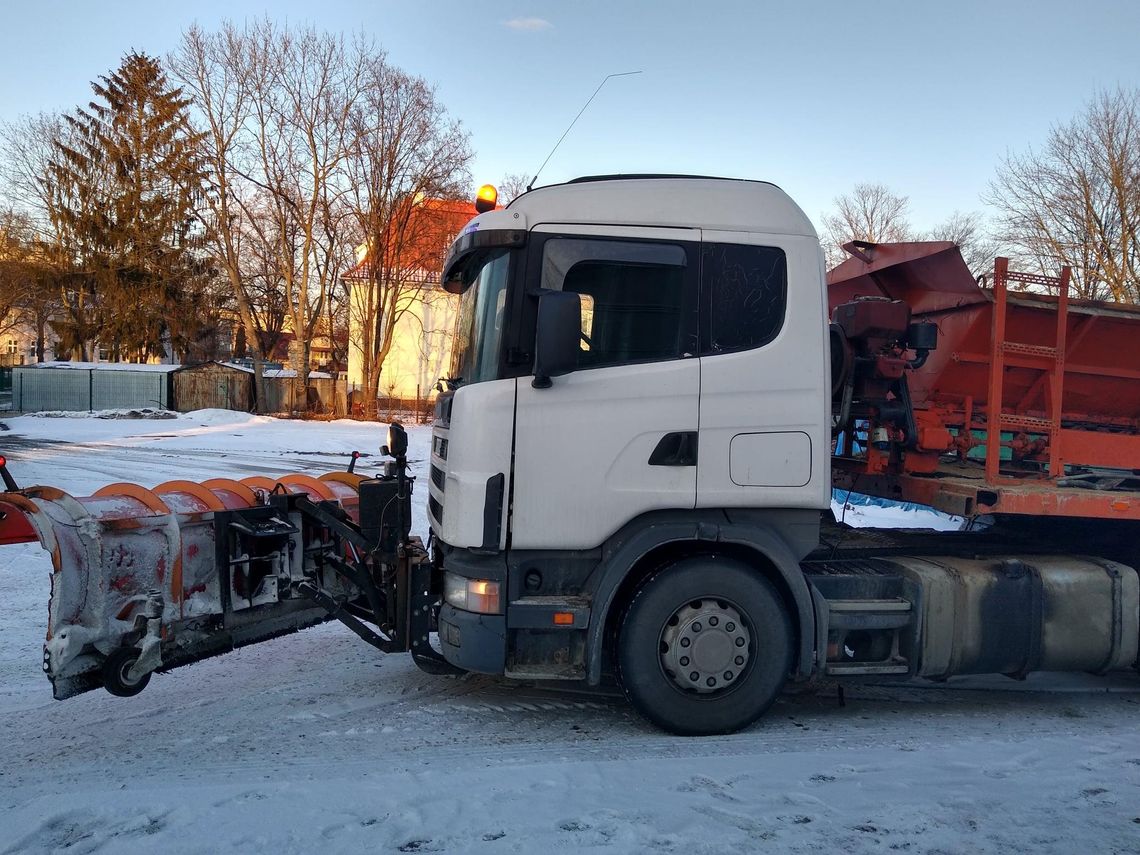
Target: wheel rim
705, 646
124, 674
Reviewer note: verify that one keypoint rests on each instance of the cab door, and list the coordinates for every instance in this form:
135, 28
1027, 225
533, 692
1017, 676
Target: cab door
765, 385
615, 438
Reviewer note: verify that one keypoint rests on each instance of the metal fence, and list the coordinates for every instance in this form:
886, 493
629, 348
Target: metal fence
6, 387
418, 410
37, 389
83, 387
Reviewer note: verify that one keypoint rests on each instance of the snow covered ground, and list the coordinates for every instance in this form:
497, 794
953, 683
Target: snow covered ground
317, 742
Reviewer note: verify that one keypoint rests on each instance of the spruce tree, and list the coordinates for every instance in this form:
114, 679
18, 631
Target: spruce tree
126, 178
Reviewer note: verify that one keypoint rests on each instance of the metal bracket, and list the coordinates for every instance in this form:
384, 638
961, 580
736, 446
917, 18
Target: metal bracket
423, 619
337, 610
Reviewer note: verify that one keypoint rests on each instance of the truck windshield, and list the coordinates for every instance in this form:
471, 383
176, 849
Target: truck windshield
479, 326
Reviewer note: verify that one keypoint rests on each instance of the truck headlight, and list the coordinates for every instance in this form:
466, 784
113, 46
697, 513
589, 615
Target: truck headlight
472, 595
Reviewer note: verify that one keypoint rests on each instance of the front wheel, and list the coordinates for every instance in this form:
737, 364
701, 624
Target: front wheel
116, 673
705, 646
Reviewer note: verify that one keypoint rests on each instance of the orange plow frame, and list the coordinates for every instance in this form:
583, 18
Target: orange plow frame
139, 566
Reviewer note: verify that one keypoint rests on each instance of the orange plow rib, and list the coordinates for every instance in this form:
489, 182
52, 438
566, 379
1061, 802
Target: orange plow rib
149, 579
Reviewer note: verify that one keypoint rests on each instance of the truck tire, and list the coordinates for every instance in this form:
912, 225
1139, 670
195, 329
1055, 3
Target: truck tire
704, 647
116, 668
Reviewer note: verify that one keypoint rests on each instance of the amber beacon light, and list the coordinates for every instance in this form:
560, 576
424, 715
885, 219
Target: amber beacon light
486, 199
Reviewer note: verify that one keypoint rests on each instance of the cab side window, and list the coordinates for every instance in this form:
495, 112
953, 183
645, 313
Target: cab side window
745, 292
637, 304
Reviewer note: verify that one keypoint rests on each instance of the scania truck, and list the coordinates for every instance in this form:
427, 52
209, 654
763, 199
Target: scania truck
657, 389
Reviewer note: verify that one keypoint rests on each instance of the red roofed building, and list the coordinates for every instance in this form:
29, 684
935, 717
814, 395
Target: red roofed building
420, 352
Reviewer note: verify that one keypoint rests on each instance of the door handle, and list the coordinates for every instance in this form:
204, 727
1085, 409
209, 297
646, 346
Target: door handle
678, 448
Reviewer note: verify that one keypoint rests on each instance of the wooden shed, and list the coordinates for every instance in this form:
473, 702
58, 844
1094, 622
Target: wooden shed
282, 392
213, 385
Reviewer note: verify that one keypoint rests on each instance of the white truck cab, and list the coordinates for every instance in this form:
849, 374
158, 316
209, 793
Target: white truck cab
630, 466
641, 376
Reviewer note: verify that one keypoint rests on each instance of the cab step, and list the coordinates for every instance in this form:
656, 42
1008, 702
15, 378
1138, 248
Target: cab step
864, 636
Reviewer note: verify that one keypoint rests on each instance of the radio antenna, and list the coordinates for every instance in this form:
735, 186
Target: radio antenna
576, 118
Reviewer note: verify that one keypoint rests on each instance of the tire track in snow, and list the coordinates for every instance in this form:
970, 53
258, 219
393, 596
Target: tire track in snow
433, 719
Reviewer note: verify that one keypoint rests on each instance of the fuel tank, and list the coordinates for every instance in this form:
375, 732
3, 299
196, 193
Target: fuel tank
1013, 615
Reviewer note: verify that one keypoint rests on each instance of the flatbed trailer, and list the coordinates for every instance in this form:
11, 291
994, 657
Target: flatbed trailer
1029, 406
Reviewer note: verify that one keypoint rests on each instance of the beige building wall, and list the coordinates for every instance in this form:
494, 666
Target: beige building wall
18, 342
421, 347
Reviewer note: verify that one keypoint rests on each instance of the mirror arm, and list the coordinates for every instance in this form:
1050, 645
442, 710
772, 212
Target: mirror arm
557, 336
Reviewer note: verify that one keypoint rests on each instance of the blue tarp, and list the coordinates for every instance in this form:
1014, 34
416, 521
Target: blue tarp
861, 499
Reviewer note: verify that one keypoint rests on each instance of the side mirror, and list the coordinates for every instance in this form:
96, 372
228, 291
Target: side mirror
397, 440
557, 338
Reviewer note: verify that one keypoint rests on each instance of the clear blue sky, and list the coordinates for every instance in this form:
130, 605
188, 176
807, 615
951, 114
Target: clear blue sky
816, 96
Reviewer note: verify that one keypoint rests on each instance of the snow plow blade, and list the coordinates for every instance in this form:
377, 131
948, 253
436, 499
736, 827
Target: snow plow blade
147, 580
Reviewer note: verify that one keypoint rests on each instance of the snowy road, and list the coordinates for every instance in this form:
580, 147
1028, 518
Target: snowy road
317, 742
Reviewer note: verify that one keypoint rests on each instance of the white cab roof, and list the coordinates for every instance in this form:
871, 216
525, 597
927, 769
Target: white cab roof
727, 204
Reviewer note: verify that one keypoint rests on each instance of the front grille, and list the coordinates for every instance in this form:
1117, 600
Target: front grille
437, 477
435, 509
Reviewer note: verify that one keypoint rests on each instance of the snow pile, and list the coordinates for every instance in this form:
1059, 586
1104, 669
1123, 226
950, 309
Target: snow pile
143, 413
219, 417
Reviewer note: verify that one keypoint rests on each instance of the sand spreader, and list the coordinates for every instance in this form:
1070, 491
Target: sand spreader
147, 580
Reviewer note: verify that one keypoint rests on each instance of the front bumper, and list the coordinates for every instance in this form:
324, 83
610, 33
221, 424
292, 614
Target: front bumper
473, 642
470, 640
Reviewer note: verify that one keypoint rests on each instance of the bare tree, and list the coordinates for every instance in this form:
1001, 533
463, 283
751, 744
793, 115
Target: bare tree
511, 186
275, 104
29, 267
26, 150
407, 154
317, 145
1076, 200
17, 266
968, 230
305, 87
64, 297
870, 212
219, 71
261, 271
